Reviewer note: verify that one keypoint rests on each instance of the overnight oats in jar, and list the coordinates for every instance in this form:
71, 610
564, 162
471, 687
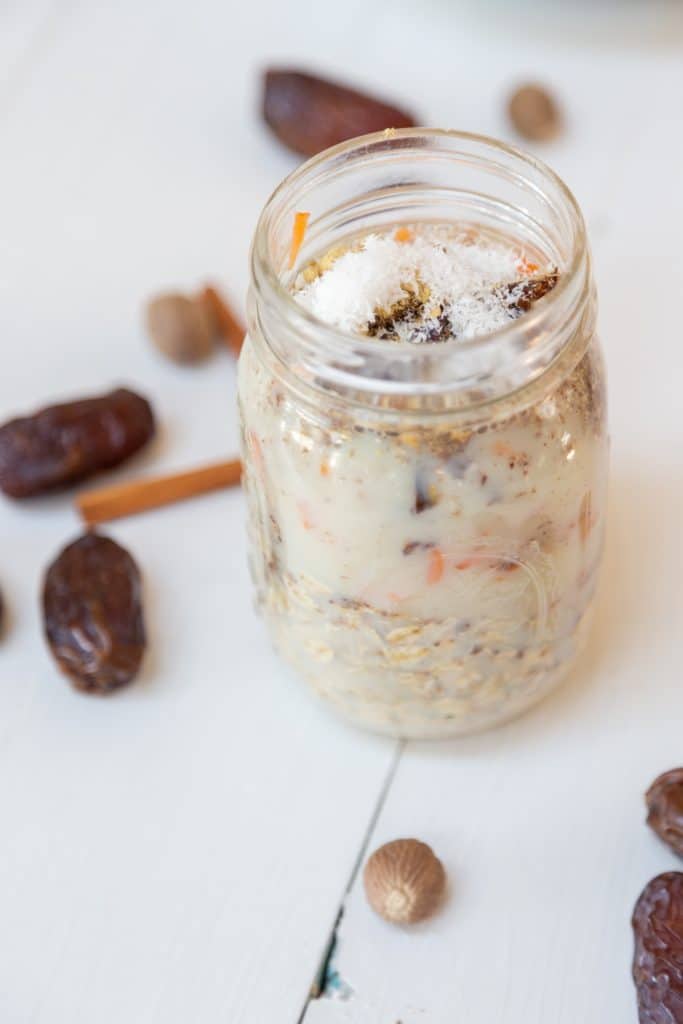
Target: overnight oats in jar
424, 438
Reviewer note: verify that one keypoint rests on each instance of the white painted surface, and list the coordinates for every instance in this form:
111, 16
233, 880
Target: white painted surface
179, 853
26, 30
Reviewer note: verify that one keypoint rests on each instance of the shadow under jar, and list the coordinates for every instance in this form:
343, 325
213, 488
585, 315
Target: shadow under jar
426, 521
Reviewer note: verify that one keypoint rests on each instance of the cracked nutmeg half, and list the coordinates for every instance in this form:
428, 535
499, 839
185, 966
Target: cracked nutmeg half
404, 881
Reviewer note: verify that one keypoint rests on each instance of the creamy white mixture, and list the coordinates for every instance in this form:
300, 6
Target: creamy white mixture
426, 582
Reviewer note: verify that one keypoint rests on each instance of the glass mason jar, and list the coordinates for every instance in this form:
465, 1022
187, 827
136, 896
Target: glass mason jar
426, 522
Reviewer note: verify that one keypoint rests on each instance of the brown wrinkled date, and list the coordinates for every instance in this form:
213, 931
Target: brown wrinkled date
62, 444
664, 801
658, 959
310, 114
93, 616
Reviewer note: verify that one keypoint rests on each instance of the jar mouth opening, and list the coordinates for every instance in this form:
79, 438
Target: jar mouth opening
388, 156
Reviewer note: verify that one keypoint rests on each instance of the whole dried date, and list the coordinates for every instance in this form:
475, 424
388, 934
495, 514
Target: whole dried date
658, 959
62, 444
664, 801
309, 114
92, 608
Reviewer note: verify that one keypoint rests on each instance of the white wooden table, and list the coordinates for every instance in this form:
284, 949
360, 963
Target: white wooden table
182, 852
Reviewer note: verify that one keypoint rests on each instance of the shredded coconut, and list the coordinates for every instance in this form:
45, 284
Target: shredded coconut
434, 286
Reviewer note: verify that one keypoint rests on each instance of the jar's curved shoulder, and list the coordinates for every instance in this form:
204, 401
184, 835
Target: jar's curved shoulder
309, 419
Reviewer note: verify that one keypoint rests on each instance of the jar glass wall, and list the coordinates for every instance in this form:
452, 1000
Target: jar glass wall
426, 522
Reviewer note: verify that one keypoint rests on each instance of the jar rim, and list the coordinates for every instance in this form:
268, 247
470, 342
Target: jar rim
334, 341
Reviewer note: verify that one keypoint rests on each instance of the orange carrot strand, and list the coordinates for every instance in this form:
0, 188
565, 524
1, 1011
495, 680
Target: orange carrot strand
298, 233
526, 267
436, 566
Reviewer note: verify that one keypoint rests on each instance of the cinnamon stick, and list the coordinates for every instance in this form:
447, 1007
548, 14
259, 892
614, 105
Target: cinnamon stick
128, 499
230, 328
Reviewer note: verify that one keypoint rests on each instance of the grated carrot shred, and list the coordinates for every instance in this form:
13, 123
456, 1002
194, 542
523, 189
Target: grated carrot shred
585, 517
504, 449
526, 267
305, 517
257, 452
403, 235
298, 233
436, 566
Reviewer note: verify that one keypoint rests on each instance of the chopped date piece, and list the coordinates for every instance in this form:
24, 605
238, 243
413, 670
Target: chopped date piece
62, 444
405, 310
310, 114
436, 329
409, 310
93, 615
383, 324
505, 565
664, 801
417, 545
523, 294
425, 493
658, 958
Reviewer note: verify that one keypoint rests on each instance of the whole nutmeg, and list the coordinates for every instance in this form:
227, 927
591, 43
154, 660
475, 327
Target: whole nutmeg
181, 327
664, 801
534, 113
404, 881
